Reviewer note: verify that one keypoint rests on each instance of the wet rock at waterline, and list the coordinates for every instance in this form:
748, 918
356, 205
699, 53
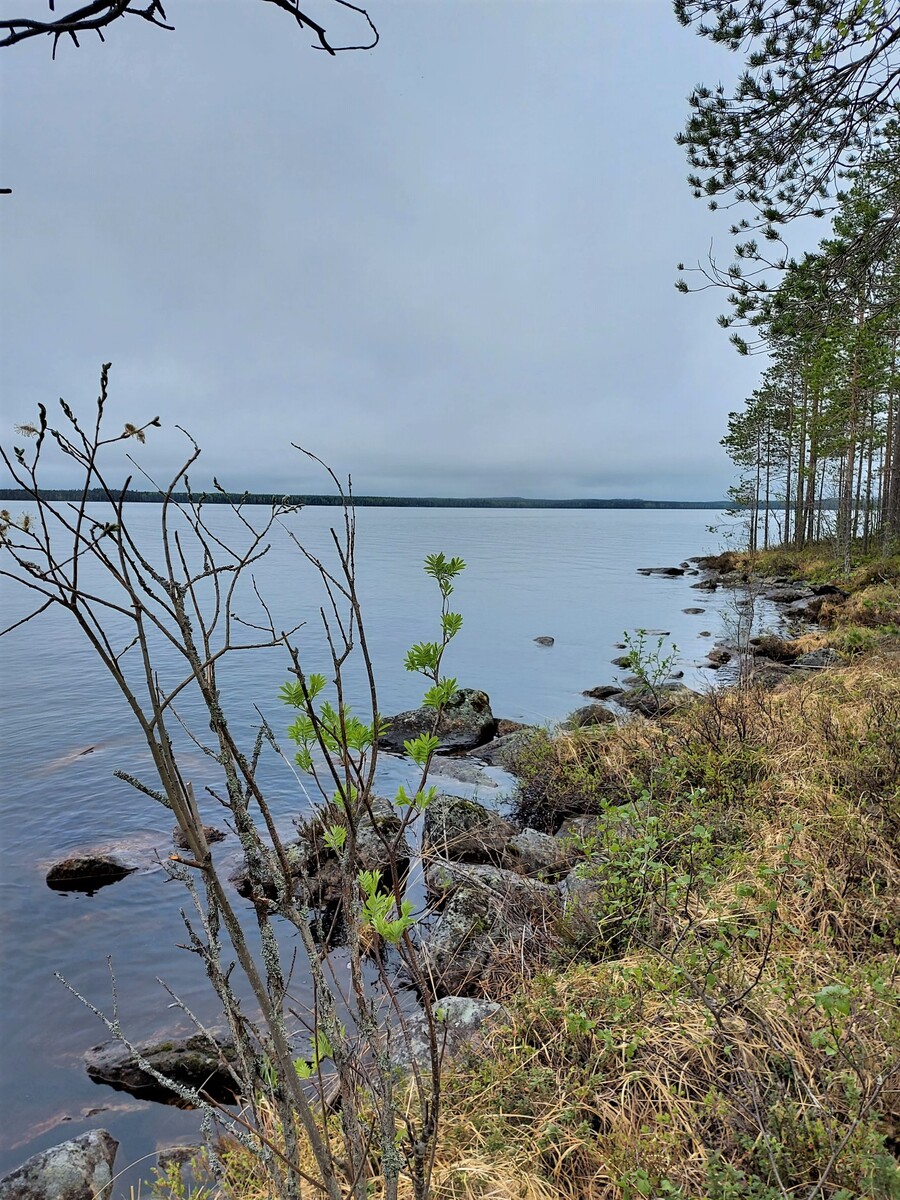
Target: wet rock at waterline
81, 1169
705, 585
462, 770
670, 572
501, 752
693, 612
189, 1062
315, 870
605, 692
464, 831
88, 872
466, 722
718, 657
545, 640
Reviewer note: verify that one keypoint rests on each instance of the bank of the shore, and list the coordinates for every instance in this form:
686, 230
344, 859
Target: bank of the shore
709, 1009
712, 1012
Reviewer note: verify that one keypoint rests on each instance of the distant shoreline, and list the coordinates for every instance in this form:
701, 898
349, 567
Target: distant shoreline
313, 501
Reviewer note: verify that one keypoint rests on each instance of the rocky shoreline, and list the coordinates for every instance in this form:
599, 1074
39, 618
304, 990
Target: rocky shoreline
497, 889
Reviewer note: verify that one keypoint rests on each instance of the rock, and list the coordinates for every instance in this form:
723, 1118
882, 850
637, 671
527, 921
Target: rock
505, 726
545, 641
467, 721
605, 692
464, 831
624, 661
501, 752
491, 923
459, 1019
719, 656
315, 869
677, 675
715, 562
191, 1062
575, 829
828, 589
588, 715
806, 610
787, 595
672, 572
769, 674
769, 645
655, 702
87, 872
819, 659
316, 865
533, 853
210, 832
460, 769
704, 633
705, 585
81, 1169
692, 612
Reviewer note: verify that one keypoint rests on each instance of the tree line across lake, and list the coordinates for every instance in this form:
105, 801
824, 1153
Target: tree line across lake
268, 498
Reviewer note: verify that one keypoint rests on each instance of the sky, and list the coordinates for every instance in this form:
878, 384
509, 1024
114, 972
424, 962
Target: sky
446, 266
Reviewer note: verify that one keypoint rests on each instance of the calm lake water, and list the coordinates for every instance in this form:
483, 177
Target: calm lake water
568, 574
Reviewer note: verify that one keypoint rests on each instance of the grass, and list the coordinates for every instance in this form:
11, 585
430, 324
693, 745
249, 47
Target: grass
720, 1020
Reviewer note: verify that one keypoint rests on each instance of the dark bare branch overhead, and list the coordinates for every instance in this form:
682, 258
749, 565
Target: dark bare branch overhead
98, 15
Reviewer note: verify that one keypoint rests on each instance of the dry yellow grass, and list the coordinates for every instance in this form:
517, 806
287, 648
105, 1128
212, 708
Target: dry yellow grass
731, 1029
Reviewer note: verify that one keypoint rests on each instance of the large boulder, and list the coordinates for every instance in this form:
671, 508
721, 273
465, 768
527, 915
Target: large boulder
491, 923
464, 831
81, 1169
466, 721
189, 1062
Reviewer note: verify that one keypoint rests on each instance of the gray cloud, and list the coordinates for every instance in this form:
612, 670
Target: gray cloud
446, 266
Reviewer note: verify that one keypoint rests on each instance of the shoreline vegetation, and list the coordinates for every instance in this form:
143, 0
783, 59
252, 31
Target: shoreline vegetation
98, 495
715, 1014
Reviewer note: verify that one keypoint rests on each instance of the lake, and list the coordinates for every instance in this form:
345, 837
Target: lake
567, 574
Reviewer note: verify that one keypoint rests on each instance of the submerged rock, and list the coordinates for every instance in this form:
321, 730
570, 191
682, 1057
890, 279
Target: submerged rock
466, 721
81, 1169
545, 640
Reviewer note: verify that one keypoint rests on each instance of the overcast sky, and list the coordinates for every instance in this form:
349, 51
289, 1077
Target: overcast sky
445, 265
